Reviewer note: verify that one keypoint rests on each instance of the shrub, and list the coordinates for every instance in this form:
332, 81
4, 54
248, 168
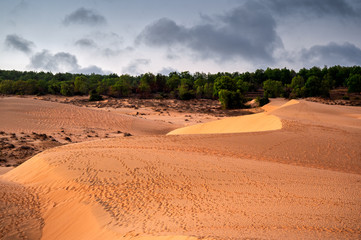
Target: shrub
262, 100
273, 88
185, 93
230, 99
313, 87
94, 96
354, 83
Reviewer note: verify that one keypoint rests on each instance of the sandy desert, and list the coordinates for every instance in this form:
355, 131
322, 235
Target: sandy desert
292, 171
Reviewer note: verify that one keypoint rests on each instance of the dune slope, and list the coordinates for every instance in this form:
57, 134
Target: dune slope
119, 189
302, 181
250, 123
27, 115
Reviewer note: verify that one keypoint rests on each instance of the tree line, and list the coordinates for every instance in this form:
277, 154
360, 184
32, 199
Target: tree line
229, 88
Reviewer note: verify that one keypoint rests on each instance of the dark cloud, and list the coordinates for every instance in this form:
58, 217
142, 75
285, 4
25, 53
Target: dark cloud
167, 70
335, 8
134, 67
164, 32
332, 54
86, 42
246, 32
19, 43
106, 44
92, 69
84, 16
59, 62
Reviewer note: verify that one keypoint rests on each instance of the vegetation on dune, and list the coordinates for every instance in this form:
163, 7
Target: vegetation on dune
229, 88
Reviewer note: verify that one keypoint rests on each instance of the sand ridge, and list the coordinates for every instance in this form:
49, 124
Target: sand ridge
300, 111
258, 122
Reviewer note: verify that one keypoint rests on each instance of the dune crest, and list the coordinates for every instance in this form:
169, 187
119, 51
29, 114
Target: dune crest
250, 123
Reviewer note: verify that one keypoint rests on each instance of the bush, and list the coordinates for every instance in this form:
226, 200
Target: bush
6, 87
262, 100
297, 87
67, 89
273, 88
94, 96
313, 87
354, 83
224, 83
230, 99
185, 93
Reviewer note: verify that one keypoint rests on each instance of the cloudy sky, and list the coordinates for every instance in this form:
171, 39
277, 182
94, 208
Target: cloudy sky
138, 36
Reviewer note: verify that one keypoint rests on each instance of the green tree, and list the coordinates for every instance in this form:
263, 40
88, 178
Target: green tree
297, 87
81, 85
20, 87
6, 87
54, 87
316, 72
144, 89
242, 86
148, 79
31, 87
259, 77
199, 91
208, 90
173, 82
230, 99
67, 89
312, 87
104, 86
354, 83
224, 82
42, 87
262, 100
272, 88
121, 88
326, 85
94, 96
160, 82
274, 74
184, 92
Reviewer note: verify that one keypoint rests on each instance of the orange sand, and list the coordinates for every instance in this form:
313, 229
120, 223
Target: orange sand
299, 182
250, 123
26, 115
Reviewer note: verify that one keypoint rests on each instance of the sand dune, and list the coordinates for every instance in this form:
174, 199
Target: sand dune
300, 111
321, 114
111, 188
20, 216
302, 181
250, 123
27, 115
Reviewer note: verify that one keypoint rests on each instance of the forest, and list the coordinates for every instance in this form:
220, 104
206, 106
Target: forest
229, 88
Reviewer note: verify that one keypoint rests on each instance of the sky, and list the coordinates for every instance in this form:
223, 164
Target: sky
162, 36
